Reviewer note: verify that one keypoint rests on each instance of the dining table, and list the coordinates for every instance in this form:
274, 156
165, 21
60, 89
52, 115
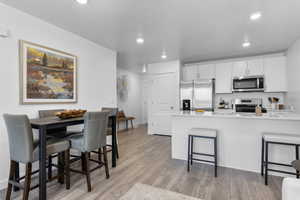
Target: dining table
45, 124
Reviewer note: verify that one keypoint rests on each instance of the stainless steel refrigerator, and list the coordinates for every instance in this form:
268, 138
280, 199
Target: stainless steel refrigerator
201, 93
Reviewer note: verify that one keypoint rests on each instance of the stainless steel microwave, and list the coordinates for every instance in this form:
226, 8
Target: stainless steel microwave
248, 84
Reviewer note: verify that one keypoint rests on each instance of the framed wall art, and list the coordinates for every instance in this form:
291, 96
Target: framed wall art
47, 75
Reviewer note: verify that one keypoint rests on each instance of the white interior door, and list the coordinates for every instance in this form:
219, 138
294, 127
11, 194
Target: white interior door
164, 100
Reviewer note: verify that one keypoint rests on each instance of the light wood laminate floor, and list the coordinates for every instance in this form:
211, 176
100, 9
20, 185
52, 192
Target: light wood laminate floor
147, 159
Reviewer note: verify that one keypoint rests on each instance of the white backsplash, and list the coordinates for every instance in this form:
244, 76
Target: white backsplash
264, 96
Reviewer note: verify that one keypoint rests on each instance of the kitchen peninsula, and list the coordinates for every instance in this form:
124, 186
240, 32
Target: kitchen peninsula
239, 136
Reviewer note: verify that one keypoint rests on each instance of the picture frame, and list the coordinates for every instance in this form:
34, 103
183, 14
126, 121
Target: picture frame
47, 75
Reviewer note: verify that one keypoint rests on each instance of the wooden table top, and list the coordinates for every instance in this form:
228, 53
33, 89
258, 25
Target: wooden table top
53, 120
47, 121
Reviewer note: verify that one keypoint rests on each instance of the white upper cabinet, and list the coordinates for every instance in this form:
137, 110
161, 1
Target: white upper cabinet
198, 71
189, 72
255, 67
206, 71
275, 74
239, 69
248, 68
224, 77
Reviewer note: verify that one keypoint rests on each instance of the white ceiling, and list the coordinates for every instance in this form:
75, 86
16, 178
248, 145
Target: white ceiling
190, 30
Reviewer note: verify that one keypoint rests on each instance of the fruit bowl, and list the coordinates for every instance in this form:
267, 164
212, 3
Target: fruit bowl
67, 114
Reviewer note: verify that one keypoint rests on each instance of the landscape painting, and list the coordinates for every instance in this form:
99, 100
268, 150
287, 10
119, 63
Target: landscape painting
47, 75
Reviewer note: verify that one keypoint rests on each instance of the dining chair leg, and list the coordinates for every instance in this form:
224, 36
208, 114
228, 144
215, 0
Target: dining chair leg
87, 171
82, 162
49, 167
27, 181
16, 176
67, 168
11, 177
100, 155
61, 168
105, 162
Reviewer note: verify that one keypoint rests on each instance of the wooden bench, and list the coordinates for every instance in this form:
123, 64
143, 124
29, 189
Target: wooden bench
121, 117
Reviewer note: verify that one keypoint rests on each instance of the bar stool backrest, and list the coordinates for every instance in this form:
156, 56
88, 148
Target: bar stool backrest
20, 137
52, 113
95, 125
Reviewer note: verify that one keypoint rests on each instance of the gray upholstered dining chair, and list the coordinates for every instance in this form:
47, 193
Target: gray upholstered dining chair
113, 112
55, 133
24, 149
93, 138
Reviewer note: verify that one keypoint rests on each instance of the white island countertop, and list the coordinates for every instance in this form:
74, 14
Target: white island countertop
218, 114
239, 136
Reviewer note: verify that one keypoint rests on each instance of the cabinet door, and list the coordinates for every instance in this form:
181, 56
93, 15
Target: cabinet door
239, 69
255, 67
275, 74
206, 71
189, 73
224, 77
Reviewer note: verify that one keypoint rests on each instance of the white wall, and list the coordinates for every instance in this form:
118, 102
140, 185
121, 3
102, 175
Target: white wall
293, 74
96, 70
130, 100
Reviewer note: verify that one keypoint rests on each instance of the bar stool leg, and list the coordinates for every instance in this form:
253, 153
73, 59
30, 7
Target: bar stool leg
11, 177
192, 149
297, 158
27, 181
67, 168
189, 153
262, 156
267, 163
216, 156
49, 167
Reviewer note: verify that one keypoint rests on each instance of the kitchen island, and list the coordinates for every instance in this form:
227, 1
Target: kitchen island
239, 136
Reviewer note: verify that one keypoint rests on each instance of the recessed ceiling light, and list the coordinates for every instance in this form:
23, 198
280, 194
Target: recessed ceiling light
140, 40
255, 16
82, 1
246, 44
164, 55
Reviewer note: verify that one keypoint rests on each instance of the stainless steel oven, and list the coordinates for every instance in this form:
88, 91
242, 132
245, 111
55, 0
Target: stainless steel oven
247, 105
248, 84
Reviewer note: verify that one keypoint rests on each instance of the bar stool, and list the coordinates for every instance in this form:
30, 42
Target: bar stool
24, 149
206, 134
93, 138
279, 139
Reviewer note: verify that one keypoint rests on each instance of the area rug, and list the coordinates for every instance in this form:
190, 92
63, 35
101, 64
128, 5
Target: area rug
146, 192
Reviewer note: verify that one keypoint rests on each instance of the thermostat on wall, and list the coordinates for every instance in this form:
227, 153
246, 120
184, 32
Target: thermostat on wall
4, 32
